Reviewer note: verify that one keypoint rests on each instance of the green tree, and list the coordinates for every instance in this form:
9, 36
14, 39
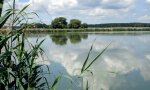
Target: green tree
60, 23
1, 6
34, 25
75, 23
84, 25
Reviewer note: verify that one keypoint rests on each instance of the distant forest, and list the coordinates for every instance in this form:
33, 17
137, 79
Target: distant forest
108, 25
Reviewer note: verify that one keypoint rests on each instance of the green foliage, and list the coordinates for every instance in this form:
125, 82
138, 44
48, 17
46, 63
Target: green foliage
18, 70
84, 25
5, 17
59, 23
34, 25
27, 25
86, 66
74, 23
17, 15
119, 25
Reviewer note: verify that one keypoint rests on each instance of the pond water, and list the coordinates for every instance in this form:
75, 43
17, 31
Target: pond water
125, 65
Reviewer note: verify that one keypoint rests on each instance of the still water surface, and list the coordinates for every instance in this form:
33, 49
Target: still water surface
125, 65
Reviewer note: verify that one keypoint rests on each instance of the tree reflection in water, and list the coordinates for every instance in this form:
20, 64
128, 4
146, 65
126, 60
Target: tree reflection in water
75, 38
61, 39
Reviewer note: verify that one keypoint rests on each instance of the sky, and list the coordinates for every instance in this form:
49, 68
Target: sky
90, 11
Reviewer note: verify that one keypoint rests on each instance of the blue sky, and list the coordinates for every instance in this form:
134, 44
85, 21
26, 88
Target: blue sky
91, 11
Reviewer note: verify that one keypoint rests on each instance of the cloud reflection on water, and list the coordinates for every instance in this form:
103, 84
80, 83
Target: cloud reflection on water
128, 58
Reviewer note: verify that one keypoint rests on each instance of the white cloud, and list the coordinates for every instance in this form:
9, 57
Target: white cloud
90, 11
98, 11
99, 8
102, 13
52, 5
126, 2
148, 1
145, 17
121, 58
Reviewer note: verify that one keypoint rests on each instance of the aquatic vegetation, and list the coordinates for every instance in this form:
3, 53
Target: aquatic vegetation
18, 70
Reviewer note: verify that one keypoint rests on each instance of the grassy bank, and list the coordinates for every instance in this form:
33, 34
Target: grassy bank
85, 30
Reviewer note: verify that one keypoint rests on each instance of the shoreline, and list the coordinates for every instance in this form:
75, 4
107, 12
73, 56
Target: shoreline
97, 30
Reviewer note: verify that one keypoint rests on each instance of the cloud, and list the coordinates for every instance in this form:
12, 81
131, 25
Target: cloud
102, 13
90, 11
89, 3
107, 4
123, 58
101, 9
117, 4
148, 1
104, 8
53, 5
145, 18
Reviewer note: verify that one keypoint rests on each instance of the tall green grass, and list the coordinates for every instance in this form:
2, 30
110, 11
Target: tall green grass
18, 70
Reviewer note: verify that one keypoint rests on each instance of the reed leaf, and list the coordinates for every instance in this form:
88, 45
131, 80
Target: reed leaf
85, 62
96, 57
55, 83
87, 85
4, 18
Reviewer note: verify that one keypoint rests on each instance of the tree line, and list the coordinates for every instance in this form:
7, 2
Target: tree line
58, 23
61, 23
34, 25
119, 25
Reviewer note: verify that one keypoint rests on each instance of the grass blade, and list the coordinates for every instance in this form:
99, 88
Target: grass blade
97, 57
55, 83
4, 18
87, 85
84, 64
